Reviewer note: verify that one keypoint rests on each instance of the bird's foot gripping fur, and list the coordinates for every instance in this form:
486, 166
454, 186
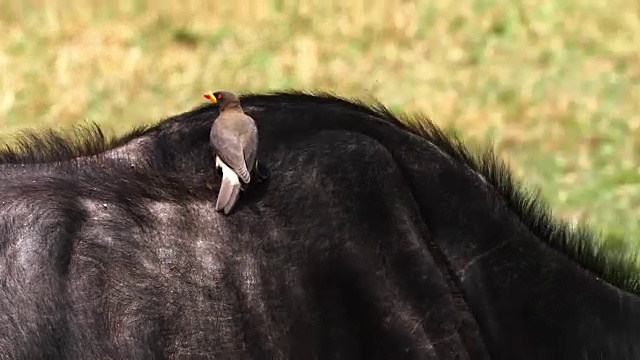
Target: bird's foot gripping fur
259, 173
262, 173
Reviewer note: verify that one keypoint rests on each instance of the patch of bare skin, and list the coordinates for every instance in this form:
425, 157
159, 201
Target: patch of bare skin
98, 211
461, 272
250, 109
251, 285
167, 215
130, 152
25, 250
443, 153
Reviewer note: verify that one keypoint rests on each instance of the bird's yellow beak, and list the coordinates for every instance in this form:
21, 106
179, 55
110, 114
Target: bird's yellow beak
209, 96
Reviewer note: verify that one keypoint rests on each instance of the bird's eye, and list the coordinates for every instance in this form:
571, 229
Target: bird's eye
219, 96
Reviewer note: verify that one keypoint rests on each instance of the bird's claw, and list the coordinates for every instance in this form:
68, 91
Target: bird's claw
261, 174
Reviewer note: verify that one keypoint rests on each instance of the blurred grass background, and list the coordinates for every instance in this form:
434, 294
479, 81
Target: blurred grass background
554, 84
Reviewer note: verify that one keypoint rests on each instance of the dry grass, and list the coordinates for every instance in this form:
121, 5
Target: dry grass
556, 85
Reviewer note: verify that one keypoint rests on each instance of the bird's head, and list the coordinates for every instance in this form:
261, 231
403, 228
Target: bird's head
222, 98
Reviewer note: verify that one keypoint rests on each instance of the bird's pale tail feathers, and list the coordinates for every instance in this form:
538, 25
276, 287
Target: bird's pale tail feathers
229, 190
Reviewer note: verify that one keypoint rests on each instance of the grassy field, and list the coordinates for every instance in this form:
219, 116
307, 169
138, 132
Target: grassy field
555, 85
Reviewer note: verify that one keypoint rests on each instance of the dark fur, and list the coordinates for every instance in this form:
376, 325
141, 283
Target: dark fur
370, 239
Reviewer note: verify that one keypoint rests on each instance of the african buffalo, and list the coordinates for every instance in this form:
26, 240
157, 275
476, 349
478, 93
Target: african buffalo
370, 239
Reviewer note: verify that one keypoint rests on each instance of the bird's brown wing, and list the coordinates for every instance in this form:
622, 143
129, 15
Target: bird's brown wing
229, 148
250, 141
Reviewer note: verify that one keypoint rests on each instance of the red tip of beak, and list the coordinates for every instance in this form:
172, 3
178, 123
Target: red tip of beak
207, 96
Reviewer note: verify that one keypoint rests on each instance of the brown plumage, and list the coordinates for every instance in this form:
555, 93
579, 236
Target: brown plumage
234, 137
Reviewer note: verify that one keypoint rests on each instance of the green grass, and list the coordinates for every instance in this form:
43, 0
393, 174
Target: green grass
555, 85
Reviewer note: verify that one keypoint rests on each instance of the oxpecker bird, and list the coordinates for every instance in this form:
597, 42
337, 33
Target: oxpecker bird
234, 136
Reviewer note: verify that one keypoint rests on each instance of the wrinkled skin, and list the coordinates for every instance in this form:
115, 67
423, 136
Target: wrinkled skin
367, 241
